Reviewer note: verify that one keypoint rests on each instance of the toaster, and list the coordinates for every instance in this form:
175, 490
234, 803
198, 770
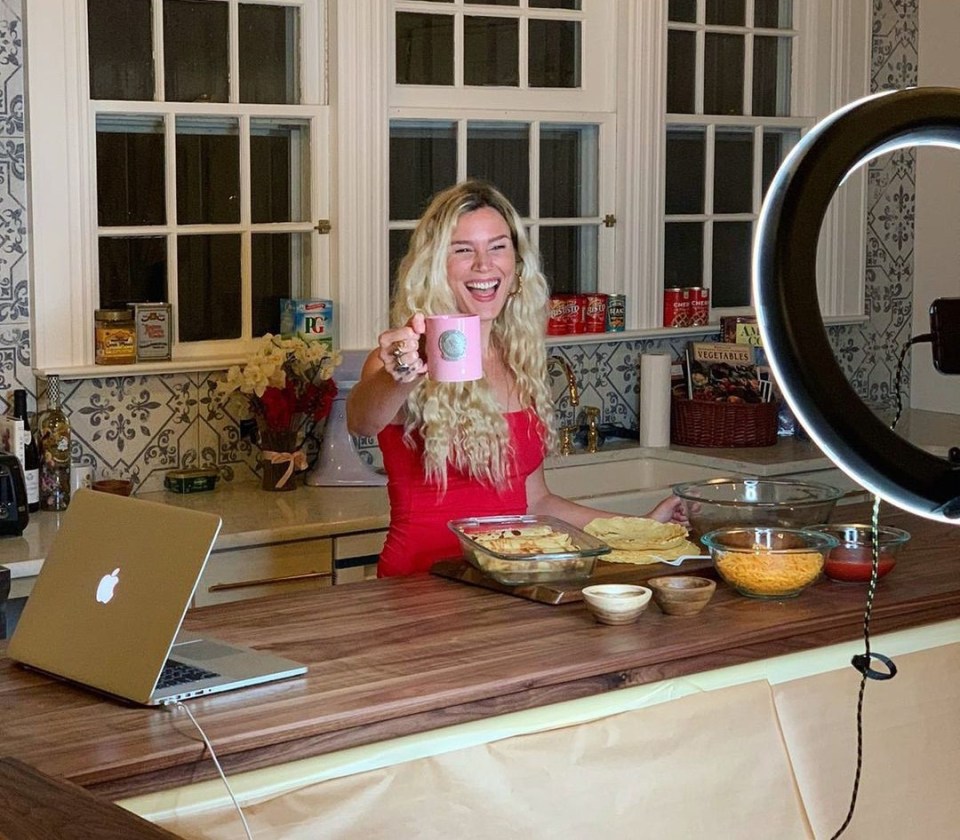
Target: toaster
14, 514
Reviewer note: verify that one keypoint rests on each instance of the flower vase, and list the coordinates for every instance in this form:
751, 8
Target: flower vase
280, 459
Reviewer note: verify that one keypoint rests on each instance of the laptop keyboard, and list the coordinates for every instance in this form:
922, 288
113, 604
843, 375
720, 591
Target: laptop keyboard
177, 673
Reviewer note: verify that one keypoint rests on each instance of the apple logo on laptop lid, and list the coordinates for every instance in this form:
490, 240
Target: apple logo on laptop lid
106, 586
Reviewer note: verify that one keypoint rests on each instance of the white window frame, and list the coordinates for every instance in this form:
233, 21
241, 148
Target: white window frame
62, 181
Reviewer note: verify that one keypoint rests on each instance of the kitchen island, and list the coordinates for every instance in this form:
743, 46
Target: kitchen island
393, 657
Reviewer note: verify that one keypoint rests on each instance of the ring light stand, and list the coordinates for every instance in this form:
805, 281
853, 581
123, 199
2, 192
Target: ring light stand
788, 312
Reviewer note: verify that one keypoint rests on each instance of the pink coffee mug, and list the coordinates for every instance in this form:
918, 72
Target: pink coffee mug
453, 348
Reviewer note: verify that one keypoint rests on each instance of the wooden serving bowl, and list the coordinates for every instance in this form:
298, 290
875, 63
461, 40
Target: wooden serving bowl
682, 594
616, 603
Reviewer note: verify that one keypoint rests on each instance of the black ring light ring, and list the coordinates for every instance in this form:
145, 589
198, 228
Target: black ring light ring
784, 270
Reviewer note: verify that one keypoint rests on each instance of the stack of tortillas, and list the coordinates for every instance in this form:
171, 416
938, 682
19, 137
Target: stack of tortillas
635, 539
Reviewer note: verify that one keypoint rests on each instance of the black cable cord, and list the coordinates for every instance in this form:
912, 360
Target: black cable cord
862, 661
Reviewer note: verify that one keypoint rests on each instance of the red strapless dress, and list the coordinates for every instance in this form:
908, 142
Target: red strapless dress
418, 534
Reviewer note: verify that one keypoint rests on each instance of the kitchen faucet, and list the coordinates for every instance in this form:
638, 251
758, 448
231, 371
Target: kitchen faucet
573, 392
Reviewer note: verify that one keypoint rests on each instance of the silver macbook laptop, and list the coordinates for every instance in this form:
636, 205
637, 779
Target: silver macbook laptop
107, 606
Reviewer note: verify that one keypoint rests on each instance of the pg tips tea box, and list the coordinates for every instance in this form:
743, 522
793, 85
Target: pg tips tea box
309, 318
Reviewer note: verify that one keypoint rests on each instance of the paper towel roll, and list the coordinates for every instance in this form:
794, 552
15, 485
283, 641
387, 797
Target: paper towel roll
654, 420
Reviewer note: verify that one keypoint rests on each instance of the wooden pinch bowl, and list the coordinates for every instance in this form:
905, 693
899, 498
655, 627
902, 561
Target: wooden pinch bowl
682, 594
616, 603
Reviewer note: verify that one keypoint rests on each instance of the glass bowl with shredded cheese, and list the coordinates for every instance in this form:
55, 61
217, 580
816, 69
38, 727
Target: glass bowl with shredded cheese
517, 550
768, 562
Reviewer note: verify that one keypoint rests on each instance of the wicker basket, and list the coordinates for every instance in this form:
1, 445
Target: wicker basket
722, 424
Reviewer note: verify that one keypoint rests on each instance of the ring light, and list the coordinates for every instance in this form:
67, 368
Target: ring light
788, 312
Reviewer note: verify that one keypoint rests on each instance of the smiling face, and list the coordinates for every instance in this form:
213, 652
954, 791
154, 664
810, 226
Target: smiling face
481, 263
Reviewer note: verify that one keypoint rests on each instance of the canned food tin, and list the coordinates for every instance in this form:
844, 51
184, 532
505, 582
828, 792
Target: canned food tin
595, 313
115, 338
677, 306
566, 313
699, 307
153, 321
616, 313
190, 481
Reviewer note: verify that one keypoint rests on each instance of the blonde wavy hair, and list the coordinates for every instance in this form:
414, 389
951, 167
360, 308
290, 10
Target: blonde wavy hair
461, 423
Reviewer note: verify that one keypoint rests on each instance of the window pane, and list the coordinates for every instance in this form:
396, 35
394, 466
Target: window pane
555, 53
208, 287
399, 242
573, 5
279, 170
500, 153
771, 76
570, 258
731, 264
424, 49
493, 2
423, 160
776, 146
569, 176
133, 268
773, 14
684, 11
491, 49
269, 54
681, 71
208, 171
726, 12
733, 172
685, 170
683, 255
280, 269
723, 74
130, 167
120, 49
195, 51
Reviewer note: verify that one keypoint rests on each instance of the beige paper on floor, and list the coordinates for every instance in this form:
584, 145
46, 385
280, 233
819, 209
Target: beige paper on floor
708, 765
911, 752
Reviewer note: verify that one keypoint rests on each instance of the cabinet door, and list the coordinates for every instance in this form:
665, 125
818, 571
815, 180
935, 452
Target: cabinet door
238, 574
355, 556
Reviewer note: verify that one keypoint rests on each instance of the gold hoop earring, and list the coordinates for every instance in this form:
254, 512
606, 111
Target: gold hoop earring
519, 288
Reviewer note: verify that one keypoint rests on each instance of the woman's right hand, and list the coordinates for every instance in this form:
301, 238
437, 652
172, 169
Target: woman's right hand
399, 350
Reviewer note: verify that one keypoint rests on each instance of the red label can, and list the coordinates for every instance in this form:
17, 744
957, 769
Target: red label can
700, 307
616, 313
563, 314
677, 306
595, 315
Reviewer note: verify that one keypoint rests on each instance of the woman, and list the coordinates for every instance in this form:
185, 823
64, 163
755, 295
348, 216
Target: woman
461, 449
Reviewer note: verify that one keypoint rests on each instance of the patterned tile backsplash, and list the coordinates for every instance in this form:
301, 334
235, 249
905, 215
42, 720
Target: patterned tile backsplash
140, 426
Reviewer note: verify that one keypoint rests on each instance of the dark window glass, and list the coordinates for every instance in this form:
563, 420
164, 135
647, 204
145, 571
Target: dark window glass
423, 160
280, 267
573, 5
685, 170
771, 76
208, 172
491, 49
683, 255
731, 264
568, 170
132, 268
723, 74
279, 171
269, 38
726, 12
208, 287
683, 11
195, 51
492, 2
570, 258
399, 242
130, 167
424, 49
681, 71
776, 145
120, 49
733, 172
773, 14
500, 153
555, 53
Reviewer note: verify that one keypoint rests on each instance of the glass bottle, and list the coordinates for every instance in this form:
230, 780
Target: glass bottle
54, 451
31, 454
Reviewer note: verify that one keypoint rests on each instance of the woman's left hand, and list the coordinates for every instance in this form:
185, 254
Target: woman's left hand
670, 509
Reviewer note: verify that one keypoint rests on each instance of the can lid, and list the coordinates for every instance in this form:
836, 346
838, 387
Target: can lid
113, 314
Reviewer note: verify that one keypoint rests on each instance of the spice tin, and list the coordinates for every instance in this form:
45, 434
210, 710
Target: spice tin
190, 481
699, 307
595, 313
115, 339
154, 330
566, 314
616, 313
677, 306
309, 318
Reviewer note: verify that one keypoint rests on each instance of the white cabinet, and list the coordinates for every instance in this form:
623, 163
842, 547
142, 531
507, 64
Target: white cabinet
355, 556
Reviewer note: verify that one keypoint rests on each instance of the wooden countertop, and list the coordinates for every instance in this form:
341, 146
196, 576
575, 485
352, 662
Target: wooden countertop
399, 656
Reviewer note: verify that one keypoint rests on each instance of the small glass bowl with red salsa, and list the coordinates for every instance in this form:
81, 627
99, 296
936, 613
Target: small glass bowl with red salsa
852, 560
